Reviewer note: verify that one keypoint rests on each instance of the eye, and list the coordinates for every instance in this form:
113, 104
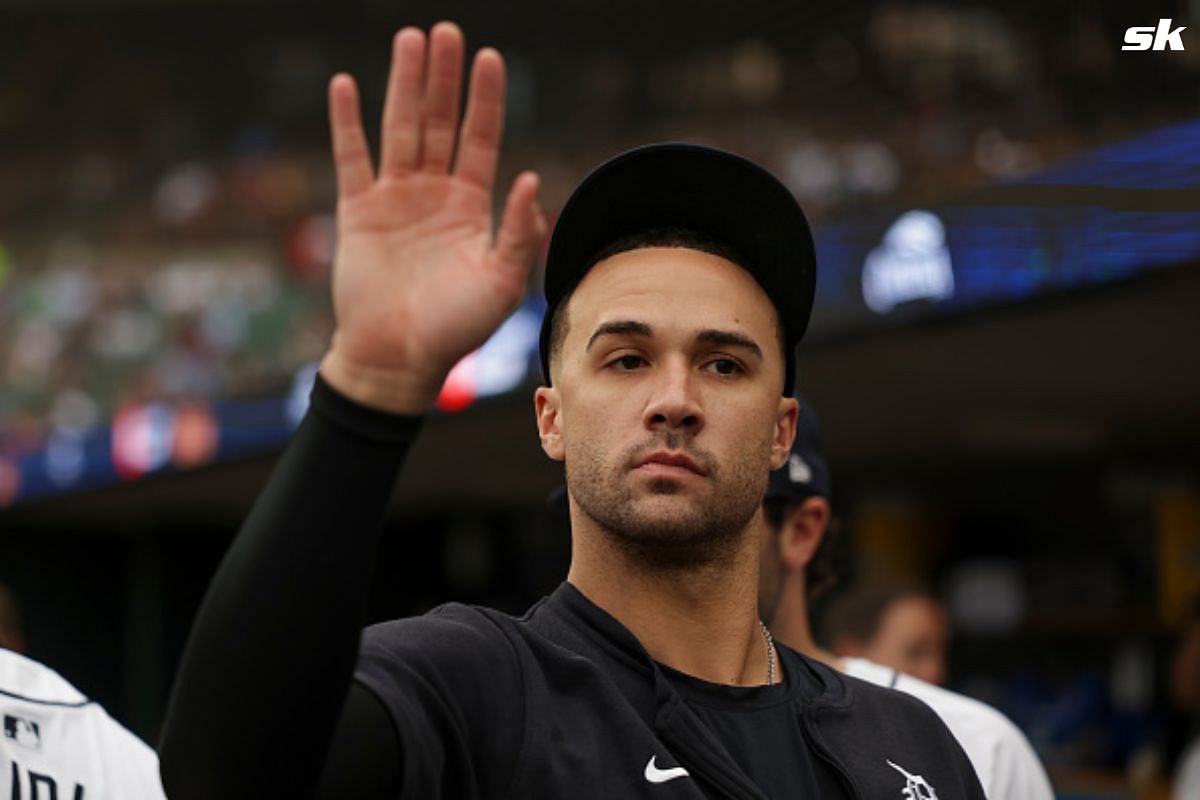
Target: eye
627, 363
724, 366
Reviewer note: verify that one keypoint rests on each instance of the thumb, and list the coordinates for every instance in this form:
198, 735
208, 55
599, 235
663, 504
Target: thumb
523, 226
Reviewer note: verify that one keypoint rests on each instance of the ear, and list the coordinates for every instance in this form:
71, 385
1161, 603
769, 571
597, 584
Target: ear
803, 531
547, 405
785, 431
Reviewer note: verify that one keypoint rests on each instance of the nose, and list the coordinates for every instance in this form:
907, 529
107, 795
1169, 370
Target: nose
674, 403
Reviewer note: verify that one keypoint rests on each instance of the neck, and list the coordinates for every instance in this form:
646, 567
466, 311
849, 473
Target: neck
790, 626
702, 620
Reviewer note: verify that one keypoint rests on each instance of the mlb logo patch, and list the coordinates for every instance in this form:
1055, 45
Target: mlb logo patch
23, 731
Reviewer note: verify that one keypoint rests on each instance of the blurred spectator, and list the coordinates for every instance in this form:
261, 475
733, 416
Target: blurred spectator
902, 627
1185, 694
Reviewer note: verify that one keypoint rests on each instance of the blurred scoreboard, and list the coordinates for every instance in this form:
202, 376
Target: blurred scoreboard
1100, 217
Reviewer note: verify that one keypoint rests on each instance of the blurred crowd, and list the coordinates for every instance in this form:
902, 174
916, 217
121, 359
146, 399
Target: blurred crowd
166, 225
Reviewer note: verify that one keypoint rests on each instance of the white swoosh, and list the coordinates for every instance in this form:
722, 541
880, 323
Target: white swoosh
656, 775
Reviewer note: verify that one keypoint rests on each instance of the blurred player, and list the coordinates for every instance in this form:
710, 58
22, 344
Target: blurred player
902, 627
1185, 694
679, 280
57, 743
797, 566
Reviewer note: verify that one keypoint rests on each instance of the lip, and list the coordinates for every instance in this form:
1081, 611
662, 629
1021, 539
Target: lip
665, 463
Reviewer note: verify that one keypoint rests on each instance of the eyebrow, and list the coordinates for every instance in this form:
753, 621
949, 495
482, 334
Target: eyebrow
729, 339
624, 327
630, 327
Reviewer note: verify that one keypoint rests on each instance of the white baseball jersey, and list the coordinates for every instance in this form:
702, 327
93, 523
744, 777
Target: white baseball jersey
1187, 774
58, 745
1002, 756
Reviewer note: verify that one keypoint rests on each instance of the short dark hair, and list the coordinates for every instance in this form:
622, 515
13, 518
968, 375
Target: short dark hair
821, 572
651, 237
860, 613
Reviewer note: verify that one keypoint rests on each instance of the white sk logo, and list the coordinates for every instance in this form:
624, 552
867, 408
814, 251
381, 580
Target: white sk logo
656, 775
916, 787
1160, 38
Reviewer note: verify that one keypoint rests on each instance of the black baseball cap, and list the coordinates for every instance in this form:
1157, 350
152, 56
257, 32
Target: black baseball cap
713, 192
806, 473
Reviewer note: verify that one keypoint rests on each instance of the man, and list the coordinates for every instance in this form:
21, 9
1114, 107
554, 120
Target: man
902, 627
797, 566
678, 282
54, 742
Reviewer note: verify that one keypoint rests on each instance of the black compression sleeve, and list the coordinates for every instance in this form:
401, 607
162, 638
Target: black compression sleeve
266, 669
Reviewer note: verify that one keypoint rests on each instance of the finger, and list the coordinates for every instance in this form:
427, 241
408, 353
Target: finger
479, 145
523, 227
441, 96
351, 157
400, 151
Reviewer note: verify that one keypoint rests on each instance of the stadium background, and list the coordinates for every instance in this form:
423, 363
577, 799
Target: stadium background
1027, 445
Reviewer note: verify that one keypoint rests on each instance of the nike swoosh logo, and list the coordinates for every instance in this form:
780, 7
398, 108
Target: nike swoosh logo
656, 775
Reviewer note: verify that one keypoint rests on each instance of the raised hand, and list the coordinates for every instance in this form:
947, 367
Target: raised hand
419, 280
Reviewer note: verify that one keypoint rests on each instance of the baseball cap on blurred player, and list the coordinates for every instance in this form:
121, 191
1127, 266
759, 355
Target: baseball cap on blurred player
712, 192
806, 472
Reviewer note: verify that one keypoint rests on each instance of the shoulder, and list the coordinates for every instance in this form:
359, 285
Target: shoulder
81, 731
451, 683
131, 763
30, 680
452, 650
1000, 753
866, 694
962, 714
872, 696
890, 742
452, 629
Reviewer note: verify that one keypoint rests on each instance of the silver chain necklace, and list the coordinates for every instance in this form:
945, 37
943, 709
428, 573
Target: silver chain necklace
770, 652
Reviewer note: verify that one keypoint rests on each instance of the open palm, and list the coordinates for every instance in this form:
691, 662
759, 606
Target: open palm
419, 280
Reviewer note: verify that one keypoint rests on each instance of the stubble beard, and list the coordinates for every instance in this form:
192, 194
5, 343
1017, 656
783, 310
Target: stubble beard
691, 536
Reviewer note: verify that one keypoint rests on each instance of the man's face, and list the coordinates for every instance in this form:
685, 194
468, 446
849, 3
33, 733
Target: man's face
667, 406
913, 637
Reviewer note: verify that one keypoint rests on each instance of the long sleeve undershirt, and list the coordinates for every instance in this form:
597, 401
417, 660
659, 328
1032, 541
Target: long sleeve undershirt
263, 699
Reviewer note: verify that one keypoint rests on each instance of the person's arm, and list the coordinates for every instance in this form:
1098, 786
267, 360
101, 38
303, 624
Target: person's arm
419, 281
266, 670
